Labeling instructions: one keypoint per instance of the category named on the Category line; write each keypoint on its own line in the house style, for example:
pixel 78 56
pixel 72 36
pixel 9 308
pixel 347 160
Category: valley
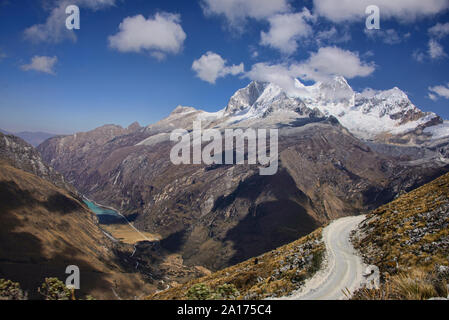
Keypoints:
pixel 118 226
pixel 216 216
pixel 172 224
pixel 244 150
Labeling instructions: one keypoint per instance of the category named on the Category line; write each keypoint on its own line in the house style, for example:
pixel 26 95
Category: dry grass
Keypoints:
pixel 127 234
pixel 415 285
pixel 254 278
pixel 385 235
pixel 407 240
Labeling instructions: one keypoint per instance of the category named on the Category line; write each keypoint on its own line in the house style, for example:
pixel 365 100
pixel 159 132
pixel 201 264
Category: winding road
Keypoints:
pixel 344 269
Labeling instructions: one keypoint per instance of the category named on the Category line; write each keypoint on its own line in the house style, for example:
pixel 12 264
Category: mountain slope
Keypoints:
pixel 408 239
pixel 219 215
pixel 273 274
pixel 23 156
pixel 411 231
pixel 45 228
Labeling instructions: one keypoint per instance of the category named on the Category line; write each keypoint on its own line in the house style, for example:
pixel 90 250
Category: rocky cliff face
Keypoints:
pixel 221 214
pixel 23 156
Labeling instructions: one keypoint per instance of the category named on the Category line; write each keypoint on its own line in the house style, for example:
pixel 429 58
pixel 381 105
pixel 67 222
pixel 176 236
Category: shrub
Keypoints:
pixel 226 292
pixel 11 291
pixel 199 291
pixel 54 289
pixel 317 260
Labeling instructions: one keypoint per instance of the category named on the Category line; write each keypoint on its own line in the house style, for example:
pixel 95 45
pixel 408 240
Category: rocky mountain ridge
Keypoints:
pixel 46 227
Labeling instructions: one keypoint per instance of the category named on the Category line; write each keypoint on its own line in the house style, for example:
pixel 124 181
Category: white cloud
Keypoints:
pixel 321 66
pixel 439 91
pixel 419 56
pixel 433 97
pixel 389 36
pixel 331 61
pixel 436 50
pixel 158 35
pixel 54 29
pixel 237 11
pixel 404 10
pixel 332 35
pixel 439 30
pixel 212 66
pixel 279 74
pixel 41 64
pixel 287 29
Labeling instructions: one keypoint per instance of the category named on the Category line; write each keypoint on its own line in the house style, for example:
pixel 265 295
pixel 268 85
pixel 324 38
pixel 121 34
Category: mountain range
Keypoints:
pixel 33 138
pixel 341 153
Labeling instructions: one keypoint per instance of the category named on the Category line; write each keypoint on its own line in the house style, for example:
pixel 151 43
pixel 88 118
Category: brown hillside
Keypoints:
pixel 274 274
pixel 44 229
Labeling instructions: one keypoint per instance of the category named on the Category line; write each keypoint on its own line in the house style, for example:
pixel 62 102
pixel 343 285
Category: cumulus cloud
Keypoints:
pixel 212 66
pixel 439 30
pixel 404 10
pixel 439 91
pixel 389 36
pixel 54 30
pixel 158 35
pixel 321 66
pixel 41 64
pixel 282 75
pixel 287 29
pixel 237 11
pixel 436 50
pixel 331 61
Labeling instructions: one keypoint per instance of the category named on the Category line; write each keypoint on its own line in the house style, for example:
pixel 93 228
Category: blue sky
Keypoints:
pixel 101 74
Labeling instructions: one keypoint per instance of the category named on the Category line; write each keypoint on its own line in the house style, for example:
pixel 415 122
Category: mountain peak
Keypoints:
pixel 134 126
pixel 182 109
pixel 246 97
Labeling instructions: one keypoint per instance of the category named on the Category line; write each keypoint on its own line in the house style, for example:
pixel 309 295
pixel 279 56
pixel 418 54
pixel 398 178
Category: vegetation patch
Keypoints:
pixel 274 274
pixel 408 239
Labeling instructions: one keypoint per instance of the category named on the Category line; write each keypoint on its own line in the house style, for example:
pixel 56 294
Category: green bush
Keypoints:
pixel 199 291
pixel 317 260
pixel 226 292
pixel 11 291
pixel 54 289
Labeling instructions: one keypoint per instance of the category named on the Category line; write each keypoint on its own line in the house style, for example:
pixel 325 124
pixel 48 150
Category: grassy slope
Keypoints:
pixel 408 239
pixel 410 231
pixel 276 273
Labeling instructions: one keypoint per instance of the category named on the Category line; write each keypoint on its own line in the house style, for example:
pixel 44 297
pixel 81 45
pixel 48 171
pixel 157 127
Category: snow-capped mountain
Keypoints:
pixel 370 115
pixel 382 116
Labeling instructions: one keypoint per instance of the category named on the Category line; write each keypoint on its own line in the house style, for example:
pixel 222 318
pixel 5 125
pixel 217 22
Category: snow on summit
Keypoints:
pixel 366 114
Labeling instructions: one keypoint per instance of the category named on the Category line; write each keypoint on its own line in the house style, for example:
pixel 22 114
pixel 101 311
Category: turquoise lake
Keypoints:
pixel 100 211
